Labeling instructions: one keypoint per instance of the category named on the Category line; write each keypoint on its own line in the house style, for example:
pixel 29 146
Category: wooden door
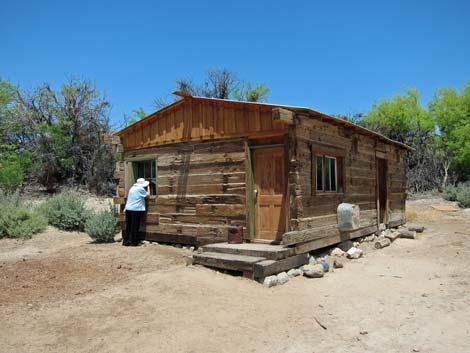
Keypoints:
pixel 269 187
pixel 382 190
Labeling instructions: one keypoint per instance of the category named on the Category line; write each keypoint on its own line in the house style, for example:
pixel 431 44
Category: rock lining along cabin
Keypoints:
pixel 279 172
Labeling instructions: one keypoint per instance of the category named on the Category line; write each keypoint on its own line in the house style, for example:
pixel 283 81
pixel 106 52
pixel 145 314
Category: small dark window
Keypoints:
pixel 148 170
pixel 328 174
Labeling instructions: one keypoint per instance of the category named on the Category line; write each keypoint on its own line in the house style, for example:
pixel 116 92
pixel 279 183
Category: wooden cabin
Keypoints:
pixel 279 172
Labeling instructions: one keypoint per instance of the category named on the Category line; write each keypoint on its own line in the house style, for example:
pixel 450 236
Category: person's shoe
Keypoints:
pixel 126 244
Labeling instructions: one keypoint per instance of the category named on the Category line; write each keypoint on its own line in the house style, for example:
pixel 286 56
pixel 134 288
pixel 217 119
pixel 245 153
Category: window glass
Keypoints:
pixel 333 174
pixel 319 173
pixel 148 170
pixel 330 174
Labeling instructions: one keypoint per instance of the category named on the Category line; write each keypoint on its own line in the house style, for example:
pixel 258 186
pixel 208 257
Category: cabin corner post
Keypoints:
pixel 293 180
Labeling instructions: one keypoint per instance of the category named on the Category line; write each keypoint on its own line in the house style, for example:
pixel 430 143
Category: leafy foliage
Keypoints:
pixel 459 193
pixel 137 115
pixel 451 112
pixel 66 211
pixel 221 84
pixel 399 117
pixel 12 168
pixel 403 119
pixel 61 131
pixel 101 227
pixel 18 220
pixel 249 93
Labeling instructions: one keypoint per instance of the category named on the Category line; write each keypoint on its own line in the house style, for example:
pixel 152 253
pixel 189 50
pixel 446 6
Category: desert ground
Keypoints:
pixel 61 293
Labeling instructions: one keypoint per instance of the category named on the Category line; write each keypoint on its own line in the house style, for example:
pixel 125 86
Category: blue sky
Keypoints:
pixel 333 56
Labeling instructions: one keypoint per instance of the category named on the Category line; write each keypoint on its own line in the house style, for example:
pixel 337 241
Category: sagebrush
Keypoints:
pixel 459 193
pixel 18 220
pixel 101 227
pixel 66 211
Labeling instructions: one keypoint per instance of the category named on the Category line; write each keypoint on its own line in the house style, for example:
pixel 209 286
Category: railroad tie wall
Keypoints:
pixel 315 213
pixel 201 191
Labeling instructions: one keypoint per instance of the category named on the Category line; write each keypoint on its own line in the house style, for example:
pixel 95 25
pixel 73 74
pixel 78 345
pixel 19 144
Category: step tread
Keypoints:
pixel 272 252
pixel 227 261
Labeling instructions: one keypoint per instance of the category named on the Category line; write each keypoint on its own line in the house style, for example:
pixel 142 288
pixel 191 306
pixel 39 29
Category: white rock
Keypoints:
pixel 312 260
pixel 337 252
pixel 293 272
pixel 270 281
pixel 191 248
pixel 313 271
pixel 356 244
pixel 282 278
pixel 354 253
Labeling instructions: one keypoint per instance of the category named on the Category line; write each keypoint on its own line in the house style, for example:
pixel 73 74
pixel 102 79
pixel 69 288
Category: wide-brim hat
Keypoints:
pixel 142 182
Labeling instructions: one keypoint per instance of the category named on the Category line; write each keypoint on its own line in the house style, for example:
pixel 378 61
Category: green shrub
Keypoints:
pixel 450 193
pixel 11 175
pixel 101 227
pixel 463 197
pixel 66 211
pixel 18 220
pixel 459 193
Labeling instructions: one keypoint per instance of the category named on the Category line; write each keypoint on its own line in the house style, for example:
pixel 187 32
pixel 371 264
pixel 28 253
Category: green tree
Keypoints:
pixel 403 119
pixel 14 160
pixel 248 93
pixel 220 84
pixel 399 117
pixel 61 130
pixel 451 112
pixel 137 115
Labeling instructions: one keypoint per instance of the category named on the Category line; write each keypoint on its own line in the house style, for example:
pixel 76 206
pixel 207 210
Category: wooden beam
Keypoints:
pixel 380 154
pixel 283 115
pixel 302 236
pixel 181 93
pixel 266 268
pixel 169 238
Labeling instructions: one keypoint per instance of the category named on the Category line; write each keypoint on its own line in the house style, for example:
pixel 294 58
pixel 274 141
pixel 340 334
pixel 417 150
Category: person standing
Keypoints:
pixel 135 207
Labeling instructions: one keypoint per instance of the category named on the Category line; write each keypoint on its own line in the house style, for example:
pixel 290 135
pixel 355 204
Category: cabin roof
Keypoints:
pixel 310 112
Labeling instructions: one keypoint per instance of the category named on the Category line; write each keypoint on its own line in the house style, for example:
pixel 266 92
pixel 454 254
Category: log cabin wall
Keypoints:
pixel 202 147
pixel 356 155
pixel 201 152
pixel 201 191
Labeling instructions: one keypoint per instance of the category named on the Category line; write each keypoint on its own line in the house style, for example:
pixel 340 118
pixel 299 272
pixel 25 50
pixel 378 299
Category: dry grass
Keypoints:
pixel 414 214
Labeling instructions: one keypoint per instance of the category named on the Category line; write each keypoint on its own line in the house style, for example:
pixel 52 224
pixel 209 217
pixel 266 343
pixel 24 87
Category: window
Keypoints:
pixel 146 169
pixel 328 175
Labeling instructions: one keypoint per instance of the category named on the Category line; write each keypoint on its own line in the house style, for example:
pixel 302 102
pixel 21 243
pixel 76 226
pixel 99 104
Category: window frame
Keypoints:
pixel 316 157
pixel 324 173
pixel 133 169
pixel 323 152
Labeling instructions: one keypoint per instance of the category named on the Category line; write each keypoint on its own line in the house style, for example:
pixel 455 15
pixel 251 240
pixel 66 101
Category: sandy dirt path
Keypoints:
pixel 59 293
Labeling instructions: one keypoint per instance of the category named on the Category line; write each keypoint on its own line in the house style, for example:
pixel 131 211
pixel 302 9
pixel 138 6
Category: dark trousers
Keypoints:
pixel 131 235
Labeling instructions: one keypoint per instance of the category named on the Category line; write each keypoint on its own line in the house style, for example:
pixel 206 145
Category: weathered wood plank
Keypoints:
pixel 227 261
pixel 301 236
pixel 270 252
pixel 266 268
pixel 169 238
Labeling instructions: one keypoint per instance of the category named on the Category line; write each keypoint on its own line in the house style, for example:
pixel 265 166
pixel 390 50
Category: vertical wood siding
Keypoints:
pixel 199 119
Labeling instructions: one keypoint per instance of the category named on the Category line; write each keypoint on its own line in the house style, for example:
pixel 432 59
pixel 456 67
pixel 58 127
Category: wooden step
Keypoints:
pixel 232 262
pixel 270 252
pixel 266 268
